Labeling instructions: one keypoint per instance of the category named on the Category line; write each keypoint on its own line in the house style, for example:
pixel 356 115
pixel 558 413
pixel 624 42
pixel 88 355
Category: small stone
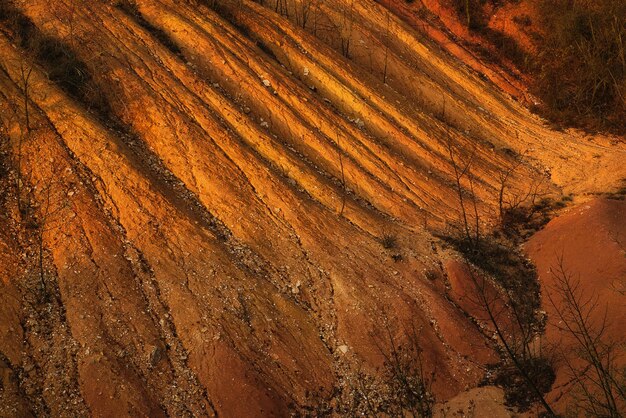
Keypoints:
pixel 156 355
pixel 295 289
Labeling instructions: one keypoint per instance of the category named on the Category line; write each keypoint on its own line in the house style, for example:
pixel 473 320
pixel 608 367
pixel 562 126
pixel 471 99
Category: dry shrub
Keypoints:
pixel 582 72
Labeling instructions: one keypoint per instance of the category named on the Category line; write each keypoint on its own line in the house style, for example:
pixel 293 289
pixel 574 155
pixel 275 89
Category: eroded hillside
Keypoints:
pixel 211 208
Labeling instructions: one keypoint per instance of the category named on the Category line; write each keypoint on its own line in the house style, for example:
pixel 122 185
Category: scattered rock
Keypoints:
pixel 156 354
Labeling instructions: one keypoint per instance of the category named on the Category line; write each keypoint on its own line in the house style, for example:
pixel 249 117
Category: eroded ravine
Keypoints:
pixel 212 228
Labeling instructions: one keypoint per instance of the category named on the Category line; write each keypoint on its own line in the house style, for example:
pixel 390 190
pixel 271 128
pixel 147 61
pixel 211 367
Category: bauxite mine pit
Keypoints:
pixel 287 208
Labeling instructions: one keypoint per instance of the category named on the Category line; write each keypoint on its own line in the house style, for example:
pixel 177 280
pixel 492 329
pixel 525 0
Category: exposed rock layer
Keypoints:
pixel 199 229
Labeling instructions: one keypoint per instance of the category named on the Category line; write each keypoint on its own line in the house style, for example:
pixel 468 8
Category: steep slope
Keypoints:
pixel 198 199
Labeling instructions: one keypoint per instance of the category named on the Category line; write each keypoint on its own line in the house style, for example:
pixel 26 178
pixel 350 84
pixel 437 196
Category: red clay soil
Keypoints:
pixel 441 22
pixel 210 240
pixel 519 20
pixel 463 291
pixel 590 239
pixel 486 401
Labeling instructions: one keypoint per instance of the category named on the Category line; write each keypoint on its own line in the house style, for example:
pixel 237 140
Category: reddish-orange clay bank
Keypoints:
pixel 313 208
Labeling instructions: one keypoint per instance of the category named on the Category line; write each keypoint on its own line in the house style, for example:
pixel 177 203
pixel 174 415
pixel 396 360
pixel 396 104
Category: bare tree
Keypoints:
pixel 401 388
pixel 66 15
pixel 50 205
pixel 461 169
pixel 303 10
pixel 405 375
pixel 347 21
pixel 514 339
pixel 593 360
pixel 518 205
pixel 343 177
pixel 468 16
pixel 496 301
pixel 281 8
pixel 24 85
pixel 582 77
pixel 386 62
pixel 25 73
pixel 619 287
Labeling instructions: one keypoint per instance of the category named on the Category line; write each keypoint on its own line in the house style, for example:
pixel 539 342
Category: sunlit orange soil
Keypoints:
pixel 210 242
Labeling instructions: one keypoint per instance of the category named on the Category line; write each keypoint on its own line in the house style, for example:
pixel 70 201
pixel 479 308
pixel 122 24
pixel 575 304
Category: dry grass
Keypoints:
pixel 582 76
